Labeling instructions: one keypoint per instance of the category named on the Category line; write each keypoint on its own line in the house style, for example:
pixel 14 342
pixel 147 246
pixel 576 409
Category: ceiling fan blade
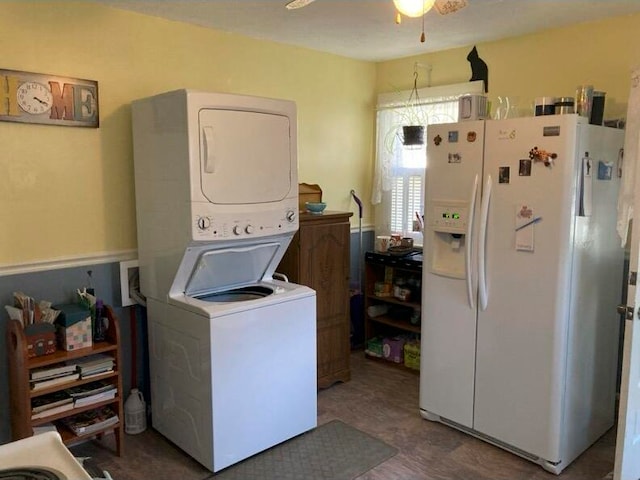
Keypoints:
pixel 293 4
pixel 444 7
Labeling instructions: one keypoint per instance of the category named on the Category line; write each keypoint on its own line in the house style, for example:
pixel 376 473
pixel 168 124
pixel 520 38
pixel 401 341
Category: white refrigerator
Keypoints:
pixel 521 278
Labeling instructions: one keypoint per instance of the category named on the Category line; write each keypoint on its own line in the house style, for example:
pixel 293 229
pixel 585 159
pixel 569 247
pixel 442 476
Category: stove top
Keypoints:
pixel 31 473
pixel 40 457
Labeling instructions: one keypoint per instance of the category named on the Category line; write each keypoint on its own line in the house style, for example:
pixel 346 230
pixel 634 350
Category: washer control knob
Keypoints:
pixel 237 230
pixel 203 223
pixel 290 216
pixel 248 229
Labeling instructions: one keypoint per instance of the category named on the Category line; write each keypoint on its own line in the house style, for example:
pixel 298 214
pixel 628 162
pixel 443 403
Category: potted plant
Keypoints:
pixel 410 120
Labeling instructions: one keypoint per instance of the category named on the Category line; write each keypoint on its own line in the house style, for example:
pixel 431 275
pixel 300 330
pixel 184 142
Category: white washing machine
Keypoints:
pixel 232 350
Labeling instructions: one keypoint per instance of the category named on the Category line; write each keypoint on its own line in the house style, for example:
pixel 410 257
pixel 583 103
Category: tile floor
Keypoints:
pixel 382 401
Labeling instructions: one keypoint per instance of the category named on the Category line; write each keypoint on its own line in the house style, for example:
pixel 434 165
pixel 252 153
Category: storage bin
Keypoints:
pixel 41 339
pixel 412 354
pixel 392 349
pixel 74 327
pixel 374 347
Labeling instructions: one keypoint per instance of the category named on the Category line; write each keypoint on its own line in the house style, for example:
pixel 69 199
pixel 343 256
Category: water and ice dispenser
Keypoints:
pixel 449 224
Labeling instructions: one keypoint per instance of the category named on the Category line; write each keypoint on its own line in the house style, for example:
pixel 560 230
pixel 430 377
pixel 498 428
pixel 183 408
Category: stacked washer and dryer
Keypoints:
pixel 232 349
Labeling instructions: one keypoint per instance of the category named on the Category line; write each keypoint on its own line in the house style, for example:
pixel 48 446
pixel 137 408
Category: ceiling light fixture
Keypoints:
pixel 413 8
pixel 297 4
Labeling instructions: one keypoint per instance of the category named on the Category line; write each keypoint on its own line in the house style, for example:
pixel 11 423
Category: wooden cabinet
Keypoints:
pixel 21 395
pixel 392 299
pixel 319 258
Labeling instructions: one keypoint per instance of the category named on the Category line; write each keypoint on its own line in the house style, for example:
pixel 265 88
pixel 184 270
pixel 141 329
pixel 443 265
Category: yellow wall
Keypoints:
pixel 550 63
pixel 67 192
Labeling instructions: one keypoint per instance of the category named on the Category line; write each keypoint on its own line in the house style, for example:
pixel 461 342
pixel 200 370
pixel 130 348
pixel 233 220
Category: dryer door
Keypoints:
pixel 245 157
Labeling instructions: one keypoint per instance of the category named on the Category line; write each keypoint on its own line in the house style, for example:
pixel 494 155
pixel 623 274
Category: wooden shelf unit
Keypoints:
pixel 318 257
pixel 20 365
pixel 381 267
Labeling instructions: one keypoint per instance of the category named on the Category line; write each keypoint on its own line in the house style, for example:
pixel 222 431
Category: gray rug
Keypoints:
pixel 333 451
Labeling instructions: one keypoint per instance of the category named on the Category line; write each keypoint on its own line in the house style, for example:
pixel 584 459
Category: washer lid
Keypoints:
pixel 226 268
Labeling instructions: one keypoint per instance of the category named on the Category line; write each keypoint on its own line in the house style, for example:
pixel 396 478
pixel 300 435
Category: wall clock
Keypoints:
pixel 28 97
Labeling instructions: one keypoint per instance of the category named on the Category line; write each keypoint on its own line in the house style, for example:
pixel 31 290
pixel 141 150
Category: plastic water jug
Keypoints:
pixel 135 413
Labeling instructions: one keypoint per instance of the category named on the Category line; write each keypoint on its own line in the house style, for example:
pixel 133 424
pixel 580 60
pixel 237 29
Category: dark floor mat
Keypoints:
pixel 333 451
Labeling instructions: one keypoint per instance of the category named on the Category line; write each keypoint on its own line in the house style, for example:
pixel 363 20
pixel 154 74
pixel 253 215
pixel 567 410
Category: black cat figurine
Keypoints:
pixel 479 69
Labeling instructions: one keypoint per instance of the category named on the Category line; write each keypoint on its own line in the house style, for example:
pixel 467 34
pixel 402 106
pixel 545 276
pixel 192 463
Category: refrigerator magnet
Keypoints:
pixel 455 158
pixel 539 155
pixel 605 169
pixel 437 140
pixel 453 136
pixel 471 136
pixel 525 228
pixel 525 168
pixel 504 174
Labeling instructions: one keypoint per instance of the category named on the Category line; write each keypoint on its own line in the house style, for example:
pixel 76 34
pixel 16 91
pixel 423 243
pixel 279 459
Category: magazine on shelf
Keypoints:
pixel 41 384
pixel 91 393
pixel 52 411
pixel 96 374
pixel 89 389
pixel 98 397
pixel 91 421
pixel 46 402
pixel 51 372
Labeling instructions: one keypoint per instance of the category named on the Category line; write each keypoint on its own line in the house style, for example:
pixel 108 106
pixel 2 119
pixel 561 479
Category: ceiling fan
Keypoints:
pixel 410 8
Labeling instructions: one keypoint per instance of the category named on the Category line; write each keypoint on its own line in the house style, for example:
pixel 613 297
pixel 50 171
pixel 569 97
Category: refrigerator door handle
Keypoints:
pixel 482 243
pixel 469 242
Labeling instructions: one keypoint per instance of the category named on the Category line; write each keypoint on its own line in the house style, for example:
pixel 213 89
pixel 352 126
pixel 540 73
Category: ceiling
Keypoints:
pixel 366 29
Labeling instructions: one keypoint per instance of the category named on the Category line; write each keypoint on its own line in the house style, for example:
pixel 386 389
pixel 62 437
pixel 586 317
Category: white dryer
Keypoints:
pixel 232 351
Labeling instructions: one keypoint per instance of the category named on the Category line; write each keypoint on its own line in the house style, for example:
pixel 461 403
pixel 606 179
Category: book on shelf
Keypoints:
pixel 91 421
pixel 94 365
pixel 41 384
pixel 52 411
pixel 44 373
pixel 45 402
pixel 94 361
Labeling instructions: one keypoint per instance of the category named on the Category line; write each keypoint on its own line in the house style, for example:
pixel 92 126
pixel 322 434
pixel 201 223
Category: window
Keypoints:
pixel 398 191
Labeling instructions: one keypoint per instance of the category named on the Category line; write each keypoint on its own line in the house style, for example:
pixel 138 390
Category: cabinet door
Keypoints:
pixel 324 266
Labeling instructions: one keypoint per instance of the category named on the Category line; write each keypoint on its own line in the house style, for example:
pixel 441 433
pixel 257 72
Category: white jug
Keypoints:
pixel 135 413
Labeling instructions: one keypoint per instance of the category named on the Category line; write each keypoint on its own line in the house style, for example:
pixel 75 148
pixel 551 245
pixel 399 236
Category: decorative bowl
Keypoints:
pixel 315 207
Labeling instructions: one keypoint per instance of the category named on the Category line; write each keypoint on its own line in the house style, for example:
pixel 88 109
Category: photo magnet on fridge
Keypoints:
pixel 504 174
pixel 525 168
pixel 453 136
pixel 605 170
pixel 455 158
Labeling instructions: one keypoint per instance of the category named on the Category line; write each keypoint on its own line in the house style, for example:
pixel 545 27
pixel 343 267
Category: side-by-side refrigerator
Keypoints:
pixel 521 278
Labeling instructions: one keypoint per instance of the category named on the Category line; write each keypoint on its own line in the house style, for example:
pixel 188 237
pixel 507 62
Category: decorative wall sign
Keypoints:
pixel 40 98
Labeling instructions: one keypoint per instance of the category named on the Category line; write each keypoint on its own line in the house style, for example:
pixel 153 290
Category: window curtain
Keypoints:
pixel 435 105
